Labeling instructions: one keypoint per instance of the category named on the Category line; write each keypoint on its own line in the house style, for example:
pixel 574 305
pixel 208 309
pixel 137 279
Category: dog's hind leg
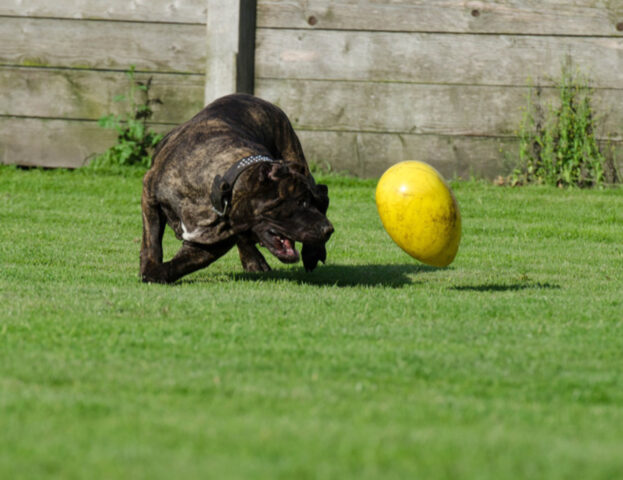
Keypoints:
pixel 189 258
pixel 153 230
pixel 251 258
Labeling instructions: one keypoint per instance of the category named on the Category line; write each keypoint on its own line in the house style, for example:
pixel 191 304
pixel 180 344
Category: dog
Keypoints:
pixel 235 174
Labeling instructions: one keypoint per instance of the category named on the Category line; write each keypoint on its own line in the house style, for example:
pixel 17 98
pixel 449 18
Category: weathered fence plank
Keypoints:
pixel 560 17
pixel 434 58
pixel 102 45
pixel 59 143
pixel 369 154
pixel 84 94
pixel 413 108
pixel 63 143
pixel 173 11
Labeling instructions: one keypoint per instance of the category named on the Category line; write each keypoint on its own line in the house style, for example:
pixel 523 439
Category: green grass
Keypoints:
pixel 507 364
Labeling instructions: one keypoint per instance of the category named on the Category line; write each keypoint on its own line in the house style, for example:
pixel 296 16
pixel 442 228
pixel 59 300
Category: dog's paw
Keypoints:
pixel 312 254
pixel 251 258
pixel 153 273
pixel 254 266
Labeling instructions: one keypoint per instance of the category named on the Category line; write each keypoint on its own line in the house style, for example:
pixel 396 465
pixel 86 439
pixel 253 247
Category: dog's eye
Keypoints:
pixel 304 203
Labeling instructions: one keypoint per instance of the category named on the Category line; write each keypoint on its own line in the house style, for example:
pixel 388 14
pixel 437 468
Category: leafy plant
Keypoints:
pixel 558 144
pixel 134 137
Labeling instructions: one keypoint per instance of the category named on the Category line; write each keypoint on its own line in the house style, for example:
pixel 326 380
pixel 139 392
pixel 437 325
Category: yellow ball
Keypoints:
pixel 419 212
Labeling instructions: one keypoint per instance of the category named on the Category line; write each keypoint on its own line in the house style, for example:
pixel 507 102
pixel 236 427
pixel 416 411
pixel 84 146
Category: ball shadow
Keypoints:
pixel 513 287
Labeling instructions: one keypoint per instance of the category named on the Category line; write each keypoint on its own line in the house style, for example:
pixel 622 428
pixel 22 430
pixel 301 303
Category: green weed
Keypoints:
pixel 134 137
pixel 558 144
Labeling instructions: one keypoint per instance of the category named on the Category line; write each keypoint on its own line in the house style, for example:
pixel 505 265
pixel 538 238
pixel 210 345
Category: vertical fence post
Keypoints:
pixel 230 47
pixel 246 47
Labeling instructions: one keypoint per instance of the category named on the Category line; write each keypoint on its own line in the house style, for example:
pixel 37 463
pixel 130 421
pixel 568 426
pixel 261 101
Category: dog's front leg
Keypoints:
pixel 189 258
pixel 251 258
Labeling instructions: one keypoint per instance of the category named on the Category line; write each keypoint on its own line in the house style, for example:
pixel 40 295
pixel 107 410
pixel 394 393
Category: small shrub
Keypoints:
pixel 134 138
pixel 557 144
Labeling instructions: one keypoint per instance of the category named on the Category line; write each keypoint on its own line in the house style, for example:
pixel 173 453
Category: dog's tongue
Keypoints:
pixel 288 247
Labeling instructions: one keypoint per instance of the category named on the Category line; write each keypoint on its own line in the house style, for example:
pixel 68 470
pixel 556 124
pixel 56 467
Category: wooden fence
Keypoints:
pixel 371 83
pixel 366 84
pixel 63 63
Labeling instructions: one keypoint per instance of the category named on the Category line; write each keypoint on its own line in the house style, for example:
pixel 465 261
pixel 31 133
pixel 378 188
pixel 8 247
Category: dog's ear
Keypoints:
pixel 321 198
pixel 298 168
pixel 272 172
pixel 278 171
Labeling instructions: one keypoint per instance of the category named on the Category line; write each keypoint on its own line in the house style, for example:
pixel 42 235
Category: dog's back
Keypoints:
pixel 235 122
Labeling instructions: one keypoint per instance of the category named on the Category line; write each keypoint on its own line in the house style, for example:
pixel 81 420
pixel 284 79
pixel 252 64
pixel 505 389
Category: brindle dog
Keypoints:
pixel 235 174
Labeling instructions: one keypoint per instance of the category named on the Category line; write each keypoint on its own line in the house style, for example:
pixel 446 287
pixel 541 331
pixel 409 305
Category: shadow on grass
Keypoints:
pixel 513 287
pixel 393 276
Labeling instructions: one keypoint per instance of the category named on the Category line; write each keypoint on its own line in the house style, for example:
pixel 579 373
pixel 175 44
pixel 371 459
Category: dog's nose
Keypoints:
pixel 326 231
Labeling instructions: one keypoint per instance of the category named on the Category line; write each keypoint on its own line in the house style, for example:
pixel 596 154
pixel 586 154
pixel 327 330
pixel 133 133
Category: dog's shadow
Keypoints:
pixel 391 275
pixel 387 275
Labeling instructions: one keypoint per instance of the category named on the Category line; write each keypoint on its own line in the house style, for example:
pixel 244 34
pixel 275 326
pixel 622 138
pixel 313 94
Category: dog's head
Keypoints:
pixel 281 204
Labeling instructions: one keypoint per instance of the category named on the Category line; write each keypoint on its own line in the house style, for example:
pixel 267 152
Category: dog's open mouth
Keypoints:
pixel 280 246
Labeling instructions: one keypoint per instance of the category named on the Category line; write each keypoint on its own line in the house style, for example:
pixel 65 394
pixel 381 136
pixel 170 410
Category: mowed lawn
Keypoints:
pixel 506 365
